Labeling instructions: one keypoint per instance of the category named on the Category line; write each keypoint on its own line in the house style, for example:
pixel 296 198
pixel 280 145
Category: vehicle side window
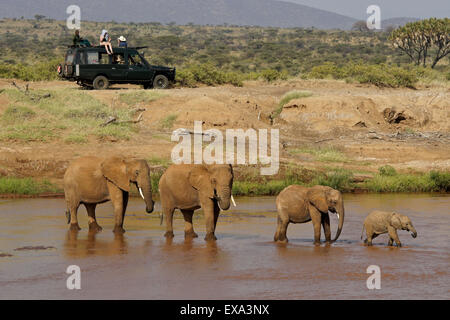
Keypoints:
pixel 69 57
pixel 92 58
pixel 82 57
pixel 104 58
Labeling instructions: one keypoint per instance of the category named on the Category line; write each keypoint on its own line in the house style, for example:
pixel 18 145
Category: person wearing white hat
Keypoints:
pixel 122 41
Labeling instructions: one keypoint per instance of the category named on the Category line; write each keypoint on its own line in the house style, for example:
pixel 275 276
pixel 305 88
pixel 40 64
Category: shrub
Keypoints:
pixel 441 180
pixel 271 75
pixel 387 170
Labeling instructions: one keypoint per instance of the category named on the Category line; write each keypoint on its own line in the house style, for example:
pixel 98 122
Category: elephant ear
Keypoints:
pixel 318 198
pixel 200 179
pixel 115 170
pixel 395 221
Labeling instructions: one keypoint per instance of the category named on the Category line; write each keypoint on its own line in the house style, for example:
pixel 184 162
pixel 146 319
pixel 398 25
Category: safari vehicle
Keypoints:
pixel 92 67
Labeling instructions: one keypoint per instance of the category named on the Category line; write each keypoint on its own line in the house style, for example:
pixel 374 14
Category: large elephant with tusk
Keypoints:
pixel 188 187
pixel 298 204
pixel 92 180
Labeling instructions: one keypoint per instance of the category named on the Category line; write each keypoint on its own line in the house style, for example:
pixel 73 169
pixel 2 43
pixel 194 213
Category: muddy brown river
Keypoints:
pixel 36 248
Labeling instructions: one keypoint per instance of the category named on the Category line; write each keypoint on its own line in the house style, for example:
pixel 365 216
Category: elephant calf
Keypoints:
pixel 92 180
pixel 379 222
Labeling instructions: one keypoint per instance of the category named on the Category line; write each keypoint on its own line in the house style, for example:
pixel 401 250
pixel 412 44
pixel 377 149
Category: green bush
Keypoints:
pixel 271 75
pixel 387 170
pixel 207 74
pixel 39 71
pixel 381 75
pixel 25 186
pixel 441 180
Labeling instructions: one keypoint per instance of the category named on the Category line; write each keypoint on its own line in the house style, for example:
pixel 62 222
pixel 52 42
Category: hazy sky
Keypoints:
pixel 389 8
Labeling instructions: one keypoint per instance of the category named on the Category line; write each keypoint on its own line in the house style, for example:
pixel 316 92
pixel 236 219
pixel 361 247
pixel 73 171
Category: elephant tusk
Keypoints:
pixel 219 205
pixel 232 200
pixel 337 215
pixel 142 195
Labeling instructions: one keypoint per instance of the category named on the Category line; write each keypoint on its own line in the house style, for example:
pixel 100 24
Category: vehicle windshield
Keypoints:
pixel 134 59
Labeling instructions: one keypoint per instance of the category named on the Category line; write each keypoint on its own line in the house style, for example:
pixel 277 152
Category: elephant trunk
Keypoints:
pixel 145 190
pixel 413 232
pixel 224 197
pixel 341 213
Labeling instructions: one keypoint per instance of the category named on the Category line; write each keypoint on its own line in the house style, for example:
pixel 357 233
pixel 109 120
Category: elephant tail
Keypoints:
pixel 68 216
pixel 160 218
pixel 362 232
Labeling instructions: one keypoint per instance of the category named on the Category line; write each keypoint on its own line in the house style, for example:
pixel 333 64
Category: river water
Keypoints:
pixel 36 248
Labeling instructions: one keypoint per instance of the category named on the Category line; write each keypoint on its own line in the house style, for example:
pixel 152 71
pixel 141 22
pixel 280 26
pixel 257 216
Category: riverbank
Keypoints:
pixel 386 180
pixel 355 138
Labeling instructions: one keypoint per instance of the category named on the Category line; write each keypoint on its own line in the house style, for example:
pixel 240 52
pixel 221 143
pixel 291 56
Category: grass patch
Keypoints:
pixel 68 114
pixel 141 96
pixel 157 161
pixel 168 121
pixel 325 154
pixel 381 75
pixel 26 186
pixel 433 181
pixel 287 97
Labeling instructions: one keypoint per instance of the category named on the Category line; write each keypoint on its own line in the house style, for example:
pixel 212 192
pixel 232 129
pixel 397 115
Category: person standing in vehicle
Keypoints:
pixel 105 40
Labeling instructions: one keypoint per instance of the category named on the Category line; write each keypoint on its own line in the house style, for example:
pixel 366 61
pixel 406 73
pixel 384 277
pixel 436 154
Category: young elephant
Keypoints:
pixel 379 222
pixel 93 180
pixel 298 204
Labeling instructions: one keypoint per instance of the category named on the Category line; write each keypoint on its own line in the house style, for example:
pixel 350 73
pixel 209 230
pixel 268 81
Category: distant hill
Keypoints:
pixel 215 12
pixel 397 22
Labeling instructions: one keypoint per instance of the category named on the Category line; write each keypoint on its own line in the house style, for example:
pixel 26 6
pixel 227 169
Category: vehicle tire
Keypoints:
pixel 160 82
pixel 100 83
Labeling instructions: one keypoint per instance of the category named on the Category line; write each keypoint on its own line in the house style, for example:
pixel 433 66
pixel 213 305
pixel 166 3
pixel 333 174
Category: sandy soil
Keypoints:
pixel 408 129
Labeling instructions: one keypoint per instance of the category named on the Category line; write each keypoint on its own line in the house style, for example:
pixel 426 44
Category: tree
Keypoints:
pixel 360 26
pixel 423 38
pixel 39 17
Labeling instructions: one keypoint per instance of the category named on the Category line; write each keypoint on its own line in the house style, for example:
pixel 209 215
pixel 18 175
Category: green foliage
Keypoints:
pixel 423 38
pixel 37 72
pixel 168 121
pixel 291 95
pixel 339 179
pixel 207 74
pixel 28 186
pixel 387 171
pixel 272 75
pixel 441 180
pixel 71 115
pixel 324 154
pixel 381 75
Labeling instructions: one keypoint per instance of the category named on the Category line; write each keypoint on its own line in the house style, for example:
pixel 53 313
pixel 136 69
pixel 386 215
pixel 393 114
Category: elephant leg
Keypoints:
pixel 316 218
pixel 188 226
pixel 390 242
pixel 168 215
pixel 370 237
pixel 280 234
pixel 73 210
pixel 393 234
pixel 326 227
pixel 208 209
pixel 117 199
pixel 216 215
pixel 92 221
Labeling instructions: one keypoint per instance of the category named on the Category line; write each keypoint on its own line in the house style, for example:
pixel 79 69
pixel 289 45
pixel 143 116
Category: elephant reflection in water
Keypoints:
pixel 76 247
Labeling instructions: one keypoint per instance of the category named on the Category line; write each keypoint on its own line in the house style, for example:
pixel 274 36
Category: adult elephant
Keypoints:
pixel 93 180
pixel 298 204
pixel 188 187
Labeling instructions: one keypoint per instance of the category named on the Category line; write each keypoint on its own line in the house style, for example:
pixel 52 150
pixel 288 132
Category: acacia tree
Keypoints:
pixel 430 37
